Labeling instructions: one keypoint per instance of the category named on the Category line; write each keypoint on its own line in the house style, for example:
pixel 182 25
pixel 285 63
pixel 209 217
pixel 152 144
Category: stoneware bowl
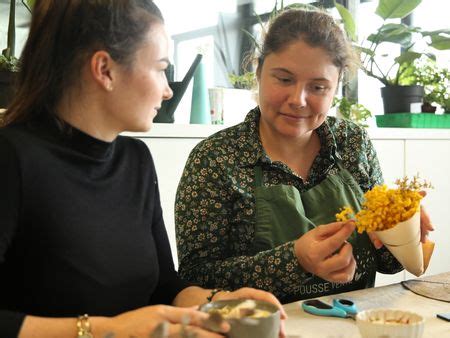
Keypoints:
pixel 378 323
pixel 264 327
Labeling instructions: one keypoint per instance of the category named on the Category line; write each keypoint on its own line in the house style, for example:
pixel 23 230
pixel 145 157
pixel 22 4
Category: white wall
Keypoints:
pixel 431 158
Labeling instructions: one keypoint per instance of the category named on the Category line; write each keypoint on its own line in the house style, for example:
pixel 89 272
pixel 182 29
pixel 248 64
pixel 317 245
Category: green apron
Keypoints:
pixel 284 214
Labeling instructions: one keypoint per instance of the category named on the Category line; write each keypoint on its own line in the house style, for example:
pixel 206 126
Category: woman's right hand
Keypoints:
pixel 325 252
pixel 143 323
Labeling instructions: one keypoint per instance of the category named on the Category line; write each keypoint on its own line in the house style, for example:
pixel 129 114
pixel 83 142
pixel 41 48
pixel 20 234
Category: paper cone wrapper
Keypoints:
pixel 427 248
pixel 403 241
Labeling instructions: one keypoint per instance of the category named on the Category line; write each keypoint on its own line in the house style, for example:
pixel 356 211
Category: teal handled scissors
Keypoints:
pixel 342 308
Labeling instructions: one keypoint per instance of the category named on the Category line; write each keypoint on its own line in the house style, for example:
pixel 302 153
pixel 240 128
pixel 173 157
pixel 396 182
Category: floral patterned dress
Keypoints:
pixel 215 206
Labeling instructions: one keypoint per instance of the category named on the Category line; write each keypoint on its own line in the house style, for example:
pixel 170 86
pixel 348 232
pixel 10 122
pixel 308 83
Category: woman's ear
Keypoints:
pixel 102 69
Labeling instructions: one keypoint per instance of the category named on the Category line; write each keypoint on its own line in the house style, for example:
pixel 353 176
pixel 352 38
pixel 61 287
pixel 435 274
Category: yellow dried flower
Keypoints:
pixel 383 208
pixel 345 214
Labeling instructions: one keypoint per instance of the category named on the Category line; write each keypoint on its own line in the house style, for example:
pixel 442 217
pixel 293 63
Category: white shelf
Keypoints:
pixel 169 130
pixel 409 134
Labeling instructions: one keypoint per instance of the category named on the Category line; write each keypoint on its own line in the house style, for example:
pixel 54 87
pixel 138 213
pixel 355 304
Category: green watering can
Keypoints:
pixel 166 113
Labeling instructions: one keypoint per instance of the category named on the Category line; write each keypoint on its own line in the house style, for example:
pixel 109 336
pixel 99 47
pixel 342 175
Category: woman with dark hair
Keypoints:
pixel 256 203
pixel 81 228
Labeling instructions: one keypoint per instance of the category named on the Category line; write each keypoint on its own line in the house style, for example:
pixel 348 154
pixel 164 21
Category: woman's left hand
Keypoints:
pixel 425 223
pixel 250 293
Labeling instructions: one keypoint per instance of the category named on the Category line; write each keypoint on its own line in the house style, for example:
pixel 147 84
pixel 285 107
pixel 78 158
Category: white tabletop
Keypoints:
pixel 305 325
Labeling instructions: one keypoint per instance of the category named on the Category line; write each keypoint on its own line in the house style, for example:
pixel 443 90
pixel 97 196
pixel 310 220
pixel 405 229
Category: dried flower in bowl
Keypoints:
pixel 389 323
pixel 245 309
pixel 247 318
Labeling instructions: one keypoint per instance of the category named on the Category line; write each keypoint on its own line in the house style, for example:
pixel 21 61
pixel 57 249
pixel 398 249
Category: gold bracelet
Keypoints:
pixel 84 327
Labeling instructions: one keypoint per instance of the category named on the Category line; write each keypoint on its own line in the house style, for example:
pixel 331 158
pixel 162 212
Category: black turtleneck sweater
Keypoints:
pixel 81 227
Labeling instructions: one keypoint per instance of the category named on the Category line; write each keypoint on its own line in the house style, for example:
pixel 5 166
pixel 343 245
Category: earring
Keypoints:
pixel 109 87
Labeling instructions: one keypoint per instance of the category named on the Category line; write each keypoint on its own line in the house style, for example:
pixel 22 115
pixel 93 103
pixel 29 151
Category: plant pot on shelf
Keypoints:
pixel 7 79
pixel 428 108
pixel 402 99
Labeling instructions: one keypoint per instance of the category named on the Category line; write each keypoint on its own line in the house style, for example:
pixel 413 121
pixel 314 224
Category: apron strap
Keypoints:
pixel 258 176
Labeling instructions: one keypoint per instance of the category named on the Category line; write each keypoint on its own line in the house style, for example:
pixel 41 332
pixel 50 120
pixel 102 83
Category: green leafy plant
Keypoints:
pixel 244 81
pixel 352 110
pixel 399 34
pixel 8 60
pixel 434 79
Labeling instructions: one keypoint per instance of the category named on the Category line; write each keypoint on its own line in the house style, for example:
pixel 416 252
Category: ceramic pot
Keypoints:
pixel 402 99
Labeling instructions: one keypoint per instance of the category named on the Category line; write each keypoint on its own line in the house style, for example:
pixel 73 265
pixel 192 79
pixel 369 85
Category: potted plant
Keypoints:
pixel 244 81
pixel 398 96
pixel 434 79
pixel 9 64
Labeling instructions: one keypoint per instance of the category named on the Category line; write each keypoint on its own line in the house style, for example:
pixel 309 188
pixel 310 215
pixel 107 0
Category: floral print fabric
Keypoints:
pixel 215 205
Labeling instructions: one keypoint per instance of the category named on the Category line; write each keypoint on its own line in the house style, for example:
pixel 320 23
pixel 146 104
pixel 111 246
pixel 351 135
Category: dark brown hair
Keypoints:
pixel 317 29
pixel 63 35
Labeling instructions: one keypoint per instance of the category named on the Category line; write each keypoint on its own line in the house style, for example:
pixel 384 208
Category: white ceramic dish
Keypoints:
pixel 378 323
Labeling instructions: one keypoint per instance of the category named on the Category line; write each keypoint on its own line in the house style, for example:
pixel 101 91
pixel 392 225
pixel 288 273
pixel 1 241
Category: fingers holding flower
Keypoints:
pixel 425 224
pixel 375 240
pixel 325 252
